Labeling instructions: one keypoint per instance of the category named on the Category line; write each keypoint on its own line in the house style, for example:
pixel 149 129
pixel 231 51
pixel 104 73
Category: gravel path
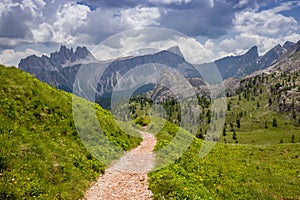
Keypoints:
pixel 127 178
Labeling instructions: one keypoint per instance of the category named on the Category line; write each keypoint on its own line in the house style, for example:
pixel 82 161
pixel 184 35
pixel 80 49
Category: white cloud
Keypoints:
pixel 35 6
pixel 131 43
pixel 211 3
pixel 244 41
pixel 105 22
pixel 69 17
pixel 67 22
pixel 10 41
pixel 170 1
pixel 264 29
pixel 140 16
pixel 43 33
pixel 285 6
pixel 41 3
pixel 10 57
pixel 266 22
pixel 241 43
pixel 6 5
pixel 241 3
pixel 295 37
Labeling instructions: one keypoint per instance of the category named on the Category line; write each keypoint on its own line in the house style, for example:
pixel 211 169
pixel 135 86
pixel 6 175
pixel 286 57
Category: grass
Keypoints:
pixel 262 136
pixel 41 154
pixel 229 171
pixel 256 113
pixel 261 163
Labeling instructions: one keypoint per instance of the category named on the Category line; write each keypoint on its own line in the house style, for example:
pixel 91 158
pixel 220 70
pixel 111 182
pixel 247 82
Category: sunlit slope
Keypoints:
pixel 229 171
pixel 41 154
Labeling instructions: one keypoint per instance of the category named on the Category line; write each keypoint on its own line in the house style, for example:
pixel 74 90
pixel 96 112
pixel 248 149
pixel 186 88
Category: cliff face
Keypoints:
pixel 56 69
pixel 242 65
pixel 60 69
pixel 272 56
pixel 57 60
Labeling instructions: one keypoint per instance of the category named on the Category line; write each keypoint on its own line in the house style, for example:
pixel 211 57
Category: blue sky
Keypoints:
pixel 224 27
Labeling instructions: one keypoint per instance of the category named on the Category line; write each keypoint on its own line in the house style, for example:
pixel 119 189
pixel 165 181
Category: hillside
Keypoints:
pixel 265 110
pixel 260 163
pixel 229 171
pixel 41 154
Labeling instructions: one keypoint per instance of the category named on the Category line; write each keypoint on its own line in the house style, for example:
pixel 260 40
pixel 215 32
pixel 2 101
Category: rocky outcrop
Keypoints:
pixel 272 56
pixel 290 61
pixel 250 62
pixel 236 66
pixel 287 45
pixel 60 68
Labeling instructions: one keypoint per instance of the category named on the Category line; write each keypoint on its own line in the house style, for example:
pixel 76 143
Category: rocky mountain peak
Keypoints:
pixel 288 61
pixel 80 53
pixel 297 46
pixel 65 55
pixel 176 50
pixel 59 59
pixel 271 56
pixel 252 52
pixel 294 49
pixel 287 45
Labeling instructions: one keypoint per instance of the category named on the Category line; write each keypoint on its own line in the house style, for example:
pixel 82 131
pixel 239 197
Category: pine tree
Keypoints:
pixel 238 123
pixel 275 122
pixel 229 106
pixel 294 114
pixel 293 139
pixel 234 135
pixel 231 126
pixel 270 101
pixel 224 132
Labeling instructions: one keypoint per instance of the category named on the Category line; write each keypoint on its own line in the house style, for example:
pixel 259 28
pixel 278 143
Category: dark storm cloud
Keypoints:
pixel 132 3
pixel 197 17
pixel 14 23
pixel 210 22
pixel 194 18
pixel 111 3
pixel 173 5
pixel 201 18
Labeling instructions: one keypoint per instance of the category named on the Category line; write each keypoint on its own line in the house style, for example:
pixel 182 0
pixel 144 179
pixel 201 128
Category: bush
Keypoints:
pixel 274 123
pixel 143 121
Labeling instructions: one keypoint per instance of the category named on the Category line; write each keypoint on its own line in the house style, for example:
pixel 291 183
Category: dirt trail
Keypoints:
pixel 127 178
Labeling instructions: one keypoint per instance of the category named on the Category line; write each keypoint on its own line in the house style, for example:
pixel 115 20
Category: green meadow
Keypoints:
pixel 41 154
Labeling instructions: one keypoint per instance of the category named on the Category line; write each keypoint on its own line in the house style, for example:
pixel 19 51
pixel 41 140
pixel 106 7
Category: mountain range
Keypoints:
pixel 61 67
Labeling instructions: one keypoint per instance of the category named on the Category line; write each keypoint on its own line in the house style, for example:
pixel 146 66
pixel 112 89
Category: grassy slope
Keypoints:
pixel 230 171
pixel 263 165
pixel 258 112
pixel 41 155
pixel 253 128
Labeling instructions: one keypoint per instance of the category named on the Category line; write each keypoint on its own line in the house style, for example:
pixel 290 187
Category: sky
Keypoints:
pixel 223 27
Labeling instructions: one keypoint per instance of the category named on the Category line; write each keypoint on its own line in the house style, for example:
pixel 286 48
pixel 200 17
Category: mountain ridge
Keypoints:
pixel 60 69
